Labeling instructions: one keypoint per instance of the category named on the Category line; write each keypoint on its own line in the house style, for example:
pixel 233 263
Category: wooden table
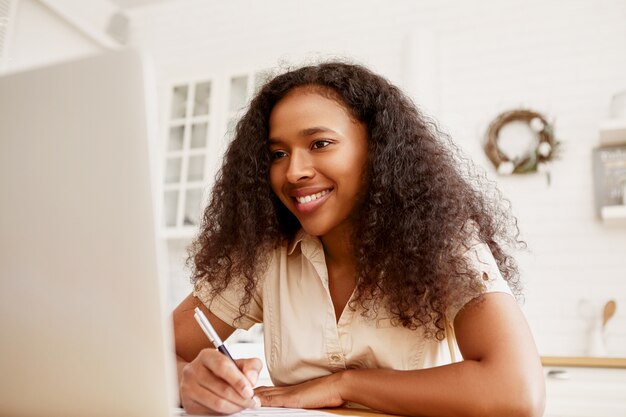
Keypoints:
pixel 359 412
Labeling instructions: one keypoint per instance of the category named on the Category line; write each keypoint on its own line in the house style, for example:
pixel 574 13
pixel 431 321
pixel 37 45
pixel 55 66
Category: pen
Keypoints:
pixel 210 332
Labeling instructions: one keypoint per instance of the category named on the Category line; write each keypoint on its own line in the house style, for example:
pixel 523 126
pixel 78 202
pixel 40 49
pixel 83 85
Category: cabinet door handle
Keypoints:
pixel 558 374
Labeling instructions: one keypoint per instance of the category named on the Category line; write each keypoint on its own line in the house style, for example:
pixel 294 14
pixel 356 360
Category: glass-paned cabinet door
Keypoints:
pixel 188 139
pixel 241 88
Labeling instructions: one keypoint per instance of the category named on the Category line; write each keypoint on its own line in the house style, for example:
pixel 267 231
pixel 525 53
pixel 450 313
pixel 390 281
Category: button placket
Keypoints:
pixel 312 250
pixel 334 353
pixel 337 361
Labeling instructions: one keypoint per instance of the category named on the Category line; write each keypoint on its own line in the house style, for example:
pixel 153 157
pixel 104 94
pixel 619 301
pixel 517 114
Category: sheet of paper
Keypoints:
pixel 271 412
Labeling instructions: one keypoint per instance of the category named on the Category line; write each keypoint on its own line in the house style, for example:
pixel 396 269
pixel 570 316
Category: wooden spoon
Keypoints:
pixel 609 311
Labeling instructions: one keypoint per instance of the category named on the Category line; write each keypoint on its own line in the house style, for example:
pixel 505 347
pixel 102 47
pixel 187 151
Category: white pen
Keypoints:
pixel 210 332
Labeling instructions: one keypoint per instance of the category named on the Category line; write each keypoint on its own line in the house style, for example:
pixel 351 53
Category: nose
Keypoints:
pixel 300 167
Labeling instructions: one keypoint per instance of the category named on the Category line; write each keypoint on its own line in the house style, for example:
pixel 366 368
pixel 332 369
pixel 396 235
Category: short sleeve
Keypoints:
pixel 226 304
pixel 483 261
pixel 480 258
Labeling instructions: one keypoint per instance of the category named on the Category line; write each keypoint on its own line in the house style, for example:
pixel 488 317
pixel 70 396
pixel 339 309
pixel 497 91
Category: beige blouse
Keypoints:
pixel 303 340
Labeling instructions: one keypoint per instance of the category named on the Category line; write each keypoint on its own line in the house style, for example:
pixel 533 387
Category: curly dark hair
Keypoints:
pixel 410 229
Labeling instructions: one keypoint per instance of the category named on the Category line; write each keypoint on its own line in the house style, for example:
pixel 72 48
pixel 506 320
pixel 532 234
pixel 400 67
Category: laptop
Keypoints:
pixel 83 330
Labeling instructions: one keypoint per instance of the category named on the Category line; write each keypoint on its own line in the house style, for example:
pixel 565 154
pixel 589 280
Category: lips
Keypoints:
pixel 308 199
pixel 312 197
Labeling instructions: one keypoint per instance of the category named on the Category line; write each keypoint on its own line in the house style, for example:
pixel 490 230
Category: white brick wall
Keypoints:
pixel 565 59
pixel 562 58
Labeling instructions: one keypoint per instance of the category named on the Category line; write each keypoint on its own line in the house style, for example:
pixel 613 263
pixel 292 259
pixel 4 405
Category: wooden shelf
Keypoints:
pixel 613 132
pixel 613 214
pixel 586 361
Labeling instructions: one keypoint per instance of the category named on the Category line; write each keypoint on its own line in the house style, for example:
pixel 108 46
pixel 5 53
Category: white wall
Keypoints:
pixel 565 59
pixel 41 37
pixel 562 58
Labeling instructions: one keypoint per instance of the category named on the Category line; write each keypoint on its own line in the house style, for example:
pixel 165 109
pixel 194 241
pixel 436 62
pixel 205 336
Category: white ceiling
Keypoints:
pixel 129 4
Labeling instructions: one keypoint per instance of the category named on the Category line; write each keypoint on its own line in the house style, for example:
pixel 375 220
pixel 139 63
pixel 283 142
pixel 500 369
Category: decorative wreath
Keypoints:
pixel 536 159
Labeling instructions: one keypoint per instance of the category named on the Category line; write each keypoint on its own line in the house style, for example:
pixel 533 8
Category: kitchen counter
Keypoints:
pixel 584 361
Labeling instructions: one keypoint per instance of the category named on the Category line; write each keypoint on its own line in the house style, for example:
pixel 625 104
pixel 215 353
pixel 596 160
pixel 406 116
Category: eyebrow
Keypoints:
pixel 307 132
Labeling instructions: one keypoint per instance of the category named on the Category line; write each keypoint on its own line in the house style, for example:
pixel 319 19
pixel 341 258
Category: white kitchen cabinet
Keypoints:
pixel 201 117
pixel 585 392
pixel 190 132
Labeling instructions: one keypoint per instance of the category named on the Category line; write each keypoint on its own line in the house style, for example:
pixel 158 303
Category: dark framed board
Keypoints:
pixel 609 176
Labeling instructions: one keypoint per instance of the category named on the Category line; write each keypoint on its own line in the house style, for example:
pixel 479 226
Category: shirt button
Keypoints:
pixel 335 358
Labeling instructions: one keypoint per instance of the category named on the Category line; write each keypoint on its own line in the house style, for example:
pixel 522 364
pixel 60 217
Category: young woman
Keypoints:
pixel 356 232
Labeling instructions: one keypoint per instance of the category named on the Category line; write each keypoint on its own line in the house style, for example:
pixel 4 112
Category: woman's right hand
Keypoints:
pixel 212 384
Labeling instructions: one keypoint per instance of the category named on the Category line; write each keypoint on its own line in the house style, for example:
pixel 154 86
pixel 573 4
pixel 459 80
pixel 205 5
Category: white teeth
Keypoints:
pixel 312 197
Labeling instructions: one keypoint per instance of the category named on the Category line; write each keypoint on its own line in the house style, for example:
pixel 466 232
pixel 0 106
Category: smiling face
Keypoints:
pixel 319 154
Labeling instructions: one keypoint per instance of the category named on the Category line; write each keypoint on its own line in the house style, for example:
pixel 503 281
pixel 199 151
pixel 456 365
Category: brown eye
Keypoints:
pixel 318 144
pixel 278 154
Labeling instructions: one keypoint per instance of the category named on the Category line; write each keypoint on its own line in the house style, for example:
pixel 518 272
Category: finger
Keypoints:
pixel 197 380
pixel 251 368
pixel 225 370
pixel 201 390
pixel 209 403
pixel 221 389
pixel 269 397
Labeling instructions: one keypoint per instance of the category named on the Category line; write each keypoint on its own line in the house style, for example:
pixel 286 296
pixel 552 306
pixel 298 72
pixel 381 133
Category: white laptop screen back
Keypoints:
pixel 81 302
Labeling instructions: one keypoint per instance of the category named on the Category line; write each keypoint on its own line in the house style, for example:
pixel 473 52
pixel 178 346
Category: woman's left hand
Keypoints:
pixel 317 393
